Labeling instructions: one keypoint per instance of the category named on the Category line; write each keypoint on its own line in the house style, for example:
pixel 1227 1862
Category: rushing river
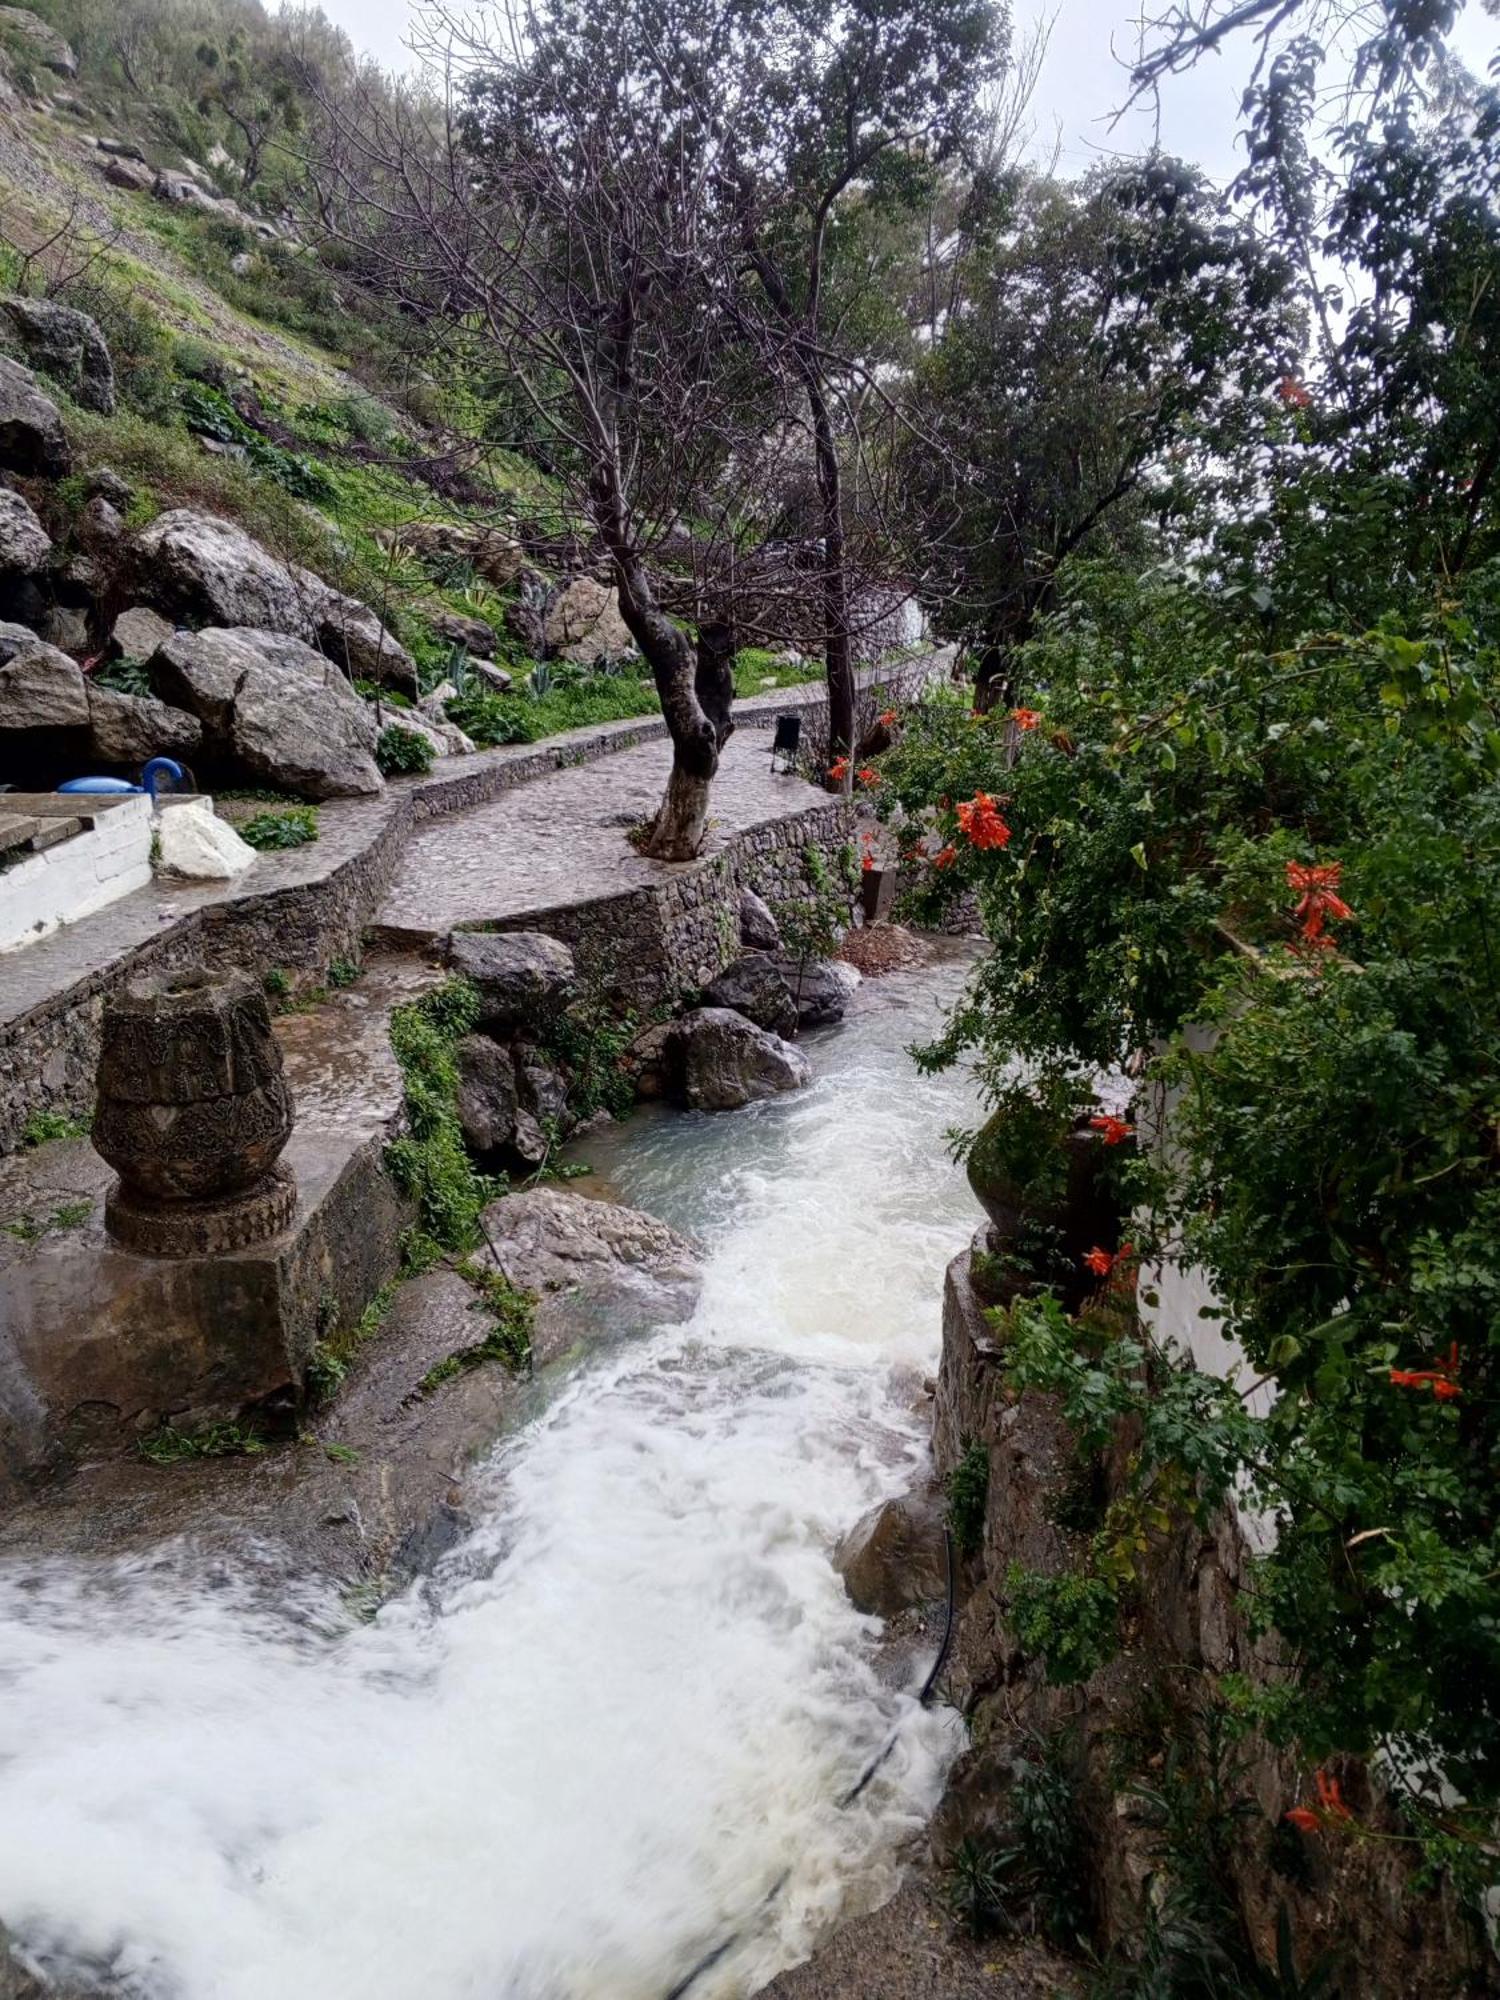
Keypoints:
pixel 611 1733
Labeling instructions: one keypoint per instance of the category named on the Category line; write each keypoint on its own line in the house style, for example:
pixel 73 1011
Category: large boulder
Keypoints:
pixel 895 1556
pixel 196 566
pixel 522 976
pixel 43 41
pixel 41 688
pixel 754 986
pixel 61 342
pixel 759 930
pixel 132 729
pixel 202 672
pixel 277 707
pixel 821 988
pixel 486 1095
pixel 584 623
pixel 25 545
pixel 596 1266
pixel 297 722
pixel 728 1062
pixel 31 429
pixel 199 566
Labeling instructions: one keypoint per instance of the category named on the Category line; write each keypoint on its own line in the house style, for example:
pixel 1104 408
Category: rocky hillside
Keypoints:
pixel 235 526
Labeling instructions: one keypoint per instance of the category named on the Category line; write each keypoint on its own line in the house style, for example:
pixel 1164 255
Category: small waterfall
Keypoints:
pixel 584 1753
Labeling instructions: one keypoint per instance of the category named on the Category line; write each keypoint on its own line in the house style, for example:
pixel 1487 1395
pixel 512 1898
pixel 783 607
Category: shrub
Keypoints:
pixel 292 826
pixel 402 752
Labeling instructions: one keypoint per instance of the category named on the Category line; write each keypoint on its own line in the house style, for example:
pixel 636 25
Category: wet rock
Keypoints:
pixel 895 1556
pixel 821 988
pixel 25 545
pixel 596 1266
pixel 486 1095
pixel 41 688
pixel 44 43
pixel 62 343
pixel 654 1059
pixel 543 1090
pixel 131 175
pixel 728 1062
pixel 754 986
pixel 132 729
pixel 584 623
pixel 194 843
pixel 136 634
pixel 31 429
pixel 197 566
pixel 758 928
pixel 522 976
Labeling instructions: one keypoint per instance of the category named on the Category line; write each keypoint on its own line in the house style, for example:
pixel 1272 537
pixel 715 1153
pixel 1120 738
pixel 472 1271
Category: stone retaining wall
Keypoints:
pixel 648 947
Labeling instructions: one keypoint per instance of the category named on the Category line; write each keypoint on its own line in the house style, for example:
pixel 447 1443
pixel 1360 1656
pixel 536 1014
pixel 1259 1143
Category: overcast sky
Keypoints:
pixel 1081 86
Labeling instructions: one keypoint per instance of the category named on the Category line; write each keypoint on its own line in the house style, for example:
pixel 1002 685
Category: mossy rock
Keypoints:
pixel 1018 1164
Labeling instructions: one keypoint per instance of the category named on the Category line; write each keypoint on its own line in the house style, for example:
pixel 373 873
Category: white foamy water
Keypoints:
pixel 610 1735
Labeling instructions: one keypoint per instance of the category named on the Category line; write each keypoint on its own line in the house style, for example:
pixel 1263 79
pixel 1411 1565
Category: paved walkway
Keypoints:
pixel 562 839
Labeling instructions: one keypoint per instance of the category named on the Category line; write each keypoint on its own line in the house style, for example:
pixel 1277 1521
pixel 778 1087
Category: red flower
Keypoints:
pixel 1115 1130
pixel 886 718
pixel 1316 886
pixel 1026 718
pixel 1439 1380
pixel 1291 392
pixel 1108 1263
pixel 1330 1807
pixel 868 775
pixel 945 857
pixel 979 818
pixel 1330 1798
pixel 838 770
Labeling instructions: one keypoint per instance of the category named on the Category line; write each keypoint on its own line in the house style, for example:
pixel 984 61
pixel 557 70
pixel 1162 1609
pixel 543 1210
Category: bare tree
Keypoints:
pixel 558 199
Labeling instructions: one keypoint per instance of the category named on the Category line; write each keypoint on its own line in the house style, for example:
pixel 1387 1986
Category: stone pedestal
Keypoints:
pixel 193 1112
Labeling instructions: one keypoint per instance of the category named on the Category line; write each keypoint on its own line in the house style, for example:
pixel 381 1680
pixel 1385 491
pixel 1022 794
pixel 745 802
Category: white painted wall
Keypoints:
pixel 79 875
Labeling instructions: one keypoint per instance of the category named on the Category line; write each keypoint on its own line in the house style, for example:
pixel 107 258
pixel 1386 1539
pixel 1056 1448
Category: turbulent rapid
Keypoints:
pixel 607 1738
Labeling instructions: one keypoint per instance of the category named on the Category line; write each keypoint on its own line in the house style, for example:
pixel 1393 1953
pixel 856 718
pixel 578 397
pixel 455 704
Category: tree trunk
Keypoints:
pixel 677 831
pixel 837 651
pixel 714 681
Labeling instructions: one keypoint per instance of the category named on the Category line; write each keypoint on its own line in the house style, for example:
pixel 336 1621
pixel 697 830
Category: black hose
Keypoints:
pixel 726 1945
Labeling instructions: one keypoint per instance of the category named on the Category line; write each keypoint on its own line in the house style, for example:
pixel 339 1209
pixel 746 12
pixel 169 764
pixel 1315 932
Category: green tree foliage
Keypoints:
pixel 1102 370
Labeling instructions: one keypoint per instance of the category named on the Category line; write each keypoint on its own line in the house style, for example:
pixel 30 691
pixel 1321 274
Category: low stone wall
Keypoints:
pixel 647 947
